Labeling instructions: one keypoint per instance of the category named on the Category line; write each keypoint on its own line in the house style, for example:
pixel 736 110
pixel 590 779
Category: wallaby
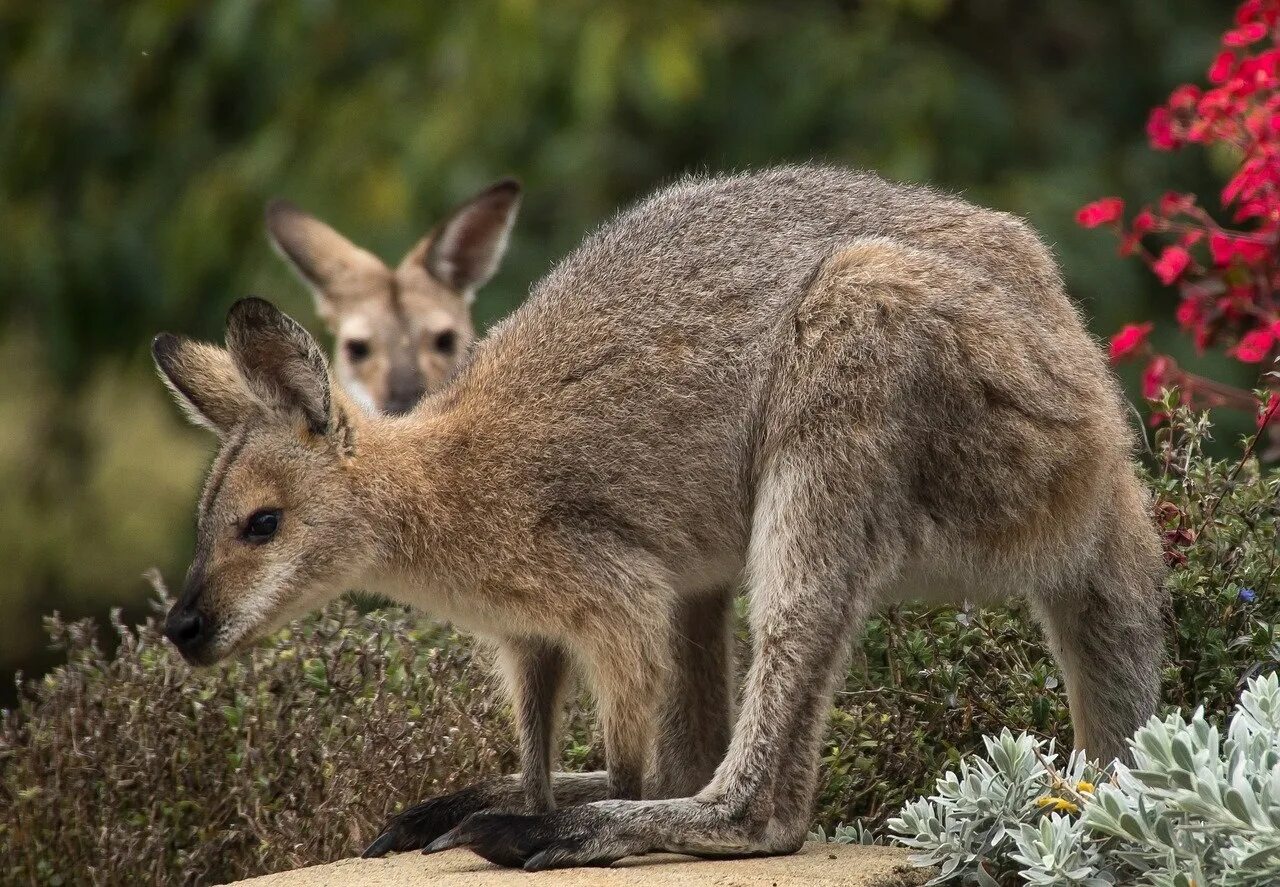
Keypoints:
pixel 400 332
pixel 826 389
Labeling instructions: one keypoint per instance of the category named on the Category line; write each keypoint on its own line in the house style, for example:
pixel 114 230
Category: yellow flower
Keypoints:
pixel 1084 787
pixel 1062 805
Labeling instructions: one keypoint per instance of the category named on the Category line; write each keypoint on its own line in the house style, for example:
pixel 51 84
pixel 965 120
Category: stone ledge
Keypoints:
pixel 817 865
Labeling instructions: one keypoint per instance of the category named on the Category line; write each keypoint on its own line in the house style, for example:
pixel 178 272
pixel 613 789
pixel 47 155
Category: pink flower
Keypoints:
pixel 1185 97
pixel 1160 130
pixel 1222 66
pixel 1143 223
pixel 1254 346
pixel 1130 338
pixel 1248 11
pixel 1100 212
pixel 1172 203
pixel 1190 313
pixel 1155 376
pixel 1246 34
pixel 1172 262
pixel 1224 248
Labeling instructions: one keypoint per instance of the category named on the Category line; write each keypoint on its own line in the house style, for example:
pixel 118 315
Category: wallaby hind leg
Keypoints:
pixel 535 672
pixel 697 715
pixel 798 779
pixel 1106 631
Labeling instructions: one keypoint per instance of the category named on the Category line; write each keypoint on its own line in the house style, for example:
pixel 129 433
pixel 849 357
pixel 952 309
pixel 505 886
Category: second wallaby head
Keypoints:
pixel 399 331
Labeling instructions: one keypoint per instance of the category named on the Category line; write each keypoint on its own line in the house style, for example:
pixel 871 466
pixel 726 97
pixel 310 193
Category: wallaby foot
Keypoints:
pixel 602 833
pixel 535 842
pixel 583 836
pixel 419 825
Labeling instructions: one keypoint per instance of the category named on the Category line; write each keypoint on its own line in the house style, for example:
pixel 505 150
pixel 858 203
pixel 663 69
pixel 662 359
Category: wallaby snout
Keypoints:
pixel 185 628
pixel 405 386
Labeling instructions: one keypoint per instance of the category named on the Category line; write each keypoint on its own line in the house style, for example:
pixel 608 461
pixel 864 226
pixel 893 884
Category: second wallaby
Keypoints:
pixel 399 331
pixel 822 388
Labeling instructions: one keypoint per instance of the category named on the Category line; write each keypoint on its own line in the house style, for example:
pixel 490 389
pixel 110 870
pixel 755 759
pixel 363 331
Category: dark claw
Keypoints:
pixel 423 823
pixel 506 839
pixel 381 846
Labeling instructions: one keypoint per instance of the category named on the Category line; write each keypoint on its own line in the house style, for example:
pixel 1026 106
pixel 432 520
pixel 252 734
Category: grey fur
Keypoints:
pixel 830 389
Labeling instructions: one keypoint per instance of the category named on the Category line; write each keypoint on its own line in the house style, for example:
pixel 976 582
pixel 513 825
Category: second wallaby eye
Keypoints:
pixel 261 525
pixel 357 349
pixel 446 342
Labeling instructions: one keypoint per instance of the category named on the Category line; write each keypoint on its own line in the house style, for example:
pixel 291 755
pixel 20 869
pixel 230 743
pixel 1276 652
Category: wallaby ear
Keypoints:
pixel 204 381
pixel 319 255
pixel 280 362
pixel 464 251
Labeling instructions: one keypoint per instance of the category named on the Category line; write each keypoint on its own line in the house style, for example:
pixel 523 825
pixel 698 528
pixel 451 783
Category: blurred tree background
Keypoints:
pixel 140 140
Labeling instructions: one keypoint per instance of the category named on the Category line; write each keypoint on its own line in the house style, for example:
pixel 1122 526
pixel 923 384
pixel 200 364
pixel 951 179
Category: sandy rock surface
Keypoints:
pixel 818 865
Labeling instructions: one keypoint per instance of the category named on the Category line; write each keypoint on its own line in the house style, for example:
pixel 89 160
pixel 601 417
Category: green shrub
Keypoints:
pixel 138 769
pixel 133 767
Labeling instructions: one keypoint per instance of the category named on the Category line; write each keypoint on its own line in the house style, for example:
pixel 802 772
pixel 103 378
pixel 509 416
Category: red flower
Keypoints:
pixel 1248 11
pixel 1190 313
pixel 1251 251
pixel 1228 294
pixel 1233 306
pixel 1100 212
pixel 1222 66
pixel 1254 346
pixel 1130 338
pixel 1224 248
pixel 1172 262
pixel 1160 130
pixel 1172 203
pixel 1246 34
pixel 1184 98
pixel 1143 223
pixel 1155 376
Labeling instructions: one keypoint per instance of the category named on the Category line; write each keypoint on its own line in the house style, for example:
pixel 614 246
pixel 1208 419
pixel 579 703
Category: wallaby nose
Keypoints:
pixel 398 406
pixel 405 387
pixel 187 630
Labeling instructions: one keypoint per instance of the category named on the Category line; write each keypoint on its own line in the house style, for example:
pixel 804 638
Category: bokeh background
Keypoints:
pixel 140 140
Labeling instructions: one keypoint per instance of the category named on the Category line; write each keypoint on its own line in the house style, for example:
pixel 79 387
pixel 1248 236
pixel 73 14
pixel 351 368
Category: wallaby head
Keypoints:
pixel 399 331
pixel 278 515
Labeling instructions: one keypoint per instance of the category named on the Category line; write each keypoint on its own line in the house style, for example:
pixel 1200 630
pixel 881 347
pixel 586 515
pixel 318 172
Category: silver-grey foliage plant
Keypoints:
pixel 1198 807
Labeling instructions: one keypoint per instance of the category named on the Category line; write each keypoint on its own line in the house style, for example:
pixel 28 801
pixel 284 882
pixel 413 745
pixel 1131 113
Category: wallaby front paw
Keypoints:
pixel 561 839
pixel 422 823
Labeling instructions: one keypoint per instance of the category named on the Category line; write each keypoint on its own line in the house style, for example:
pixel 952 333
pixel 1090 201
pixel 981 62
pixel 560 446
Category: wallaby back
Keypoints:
pixel 640 379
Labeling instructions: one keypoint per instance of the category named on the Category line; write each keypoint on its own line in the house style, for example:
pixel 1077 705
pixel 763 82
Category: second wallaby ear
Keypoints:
pixel 204 380
pixel 465 250
pixel 322 257
pixel 280 362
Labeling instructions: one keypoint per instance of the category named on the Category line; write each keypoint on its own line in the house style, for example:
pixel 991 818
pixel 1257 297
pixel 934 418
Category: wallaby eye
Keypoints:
pixel 261 525
pixel 446 342
pixel 357 349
